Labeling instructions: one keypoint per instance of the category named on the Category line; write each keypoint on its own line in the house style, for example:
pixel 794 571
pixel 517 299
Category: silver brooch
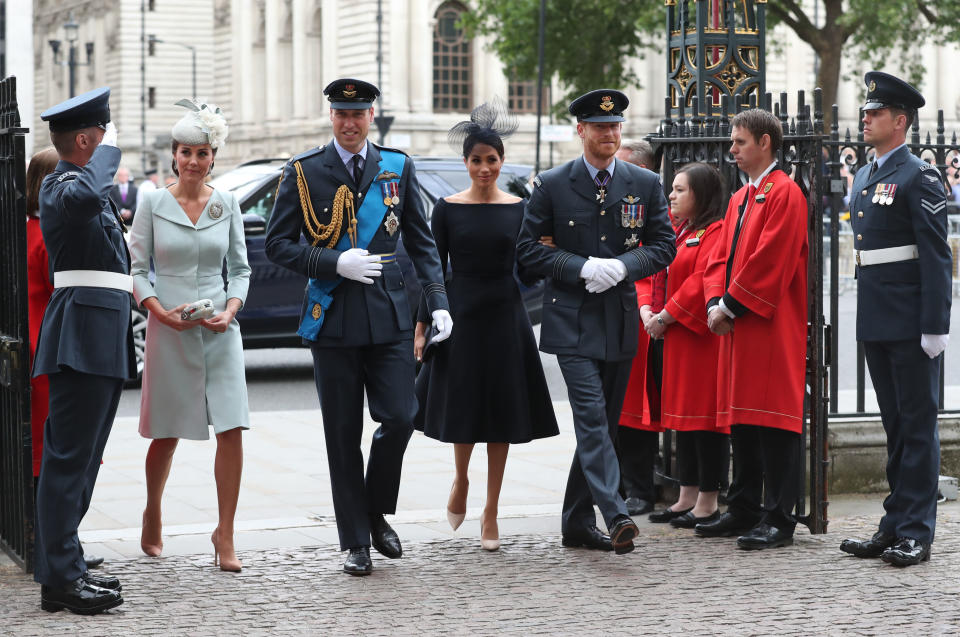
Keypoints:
pixel 216 210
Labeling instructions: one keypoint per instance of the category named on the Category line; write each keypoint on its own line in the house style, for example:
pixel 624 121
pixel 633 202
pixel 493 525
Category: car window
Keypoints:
pixel 460 180
pixel 262 203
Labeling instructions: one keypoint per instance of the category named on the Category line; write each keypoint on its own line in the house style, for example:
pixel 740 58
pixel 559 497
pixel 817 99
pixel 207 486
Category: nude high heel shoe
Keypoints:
pixel 455 519
pixel 149 548
pixel 229 564
pixel 488 544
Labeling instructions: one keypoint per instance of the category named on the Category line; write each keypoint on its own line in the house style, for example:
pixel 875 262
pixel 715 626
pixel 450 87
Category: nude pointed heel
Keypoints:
pixel 229 565
pixel 488 544
pixel 455 519
pixel 153 550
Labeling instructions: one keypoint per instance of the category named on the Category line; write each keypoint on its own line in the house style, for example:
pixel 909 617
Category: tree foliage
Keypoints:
pixel 589 43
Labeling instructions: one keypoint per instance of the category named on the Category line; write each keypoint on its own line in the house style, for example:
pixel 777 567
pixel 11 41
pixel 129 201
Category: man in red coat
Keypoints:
pixel 755 286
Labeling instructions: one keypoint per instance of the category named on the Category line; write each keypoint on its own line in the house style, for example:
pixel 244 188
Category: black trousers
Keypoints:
pixel 766 469
pixel 341 374
pixel 907 384
pixel 701 459
pixel 82 408
pixel 596 389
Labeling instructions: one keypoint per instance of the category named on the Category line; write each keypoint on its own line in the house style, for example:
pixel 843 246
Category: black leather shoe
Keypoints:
pixel 589 538
pixel 665 515
pixel 384 538
pixel 764 536
pixel 906 552
pixel 79 597
pixel 92 561
pixel 874 547
pixel 688 520
pixel 358 561
pixel 638 506
pixel 727 525
pixel 103 581
pixel 622 533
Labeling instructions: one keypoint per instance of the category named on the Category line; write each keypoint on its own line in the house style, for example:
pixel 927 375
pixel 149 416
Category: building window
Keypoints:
pixel 151 5
pixel 452 61
pixel 151 97
pixel 522 96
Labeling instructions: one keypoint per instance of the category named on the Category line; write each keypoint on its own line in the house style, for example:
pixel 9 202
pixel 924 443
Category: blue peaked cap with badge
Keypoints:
pixel 887 91
pixel 351 94
pixel 83 111
pixel 602 105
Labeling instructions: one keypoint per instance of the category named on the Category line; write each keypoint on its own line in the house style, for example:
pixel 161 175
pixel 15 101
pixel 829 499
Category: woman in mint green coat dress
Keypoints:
pixel 193 377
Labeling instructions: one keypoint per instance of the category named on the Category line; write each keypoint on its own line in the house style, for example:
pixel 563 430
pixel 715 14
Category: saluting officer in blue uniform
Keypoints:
pixel 898 210
pixel 609 227
pixel 351 200
pixel 85 344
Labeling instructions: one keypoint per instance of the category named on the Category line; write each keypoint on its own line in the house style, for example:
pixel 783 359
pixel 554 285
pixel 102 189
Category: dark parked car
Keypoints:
pixel 271 314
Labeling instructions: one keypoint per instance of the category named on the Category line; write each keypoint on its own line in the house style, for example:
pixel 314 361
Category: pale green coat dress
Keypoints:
pixel 194 379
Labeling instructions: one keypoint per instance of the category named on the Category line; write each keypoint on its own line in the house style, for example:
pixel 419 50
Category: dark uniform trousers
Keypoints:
pixel 906 381
pixel 82 408
pixel 766 463
pixel 387 372
pixel 596 389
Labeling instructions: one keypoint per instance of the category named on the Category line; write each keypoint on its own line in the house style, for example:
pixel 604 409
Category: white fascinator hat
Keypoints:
pixel 203 124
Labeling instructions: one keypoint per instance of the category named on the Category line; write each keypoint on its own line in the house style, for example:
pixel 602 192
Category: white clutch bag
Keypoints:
pixel 198 310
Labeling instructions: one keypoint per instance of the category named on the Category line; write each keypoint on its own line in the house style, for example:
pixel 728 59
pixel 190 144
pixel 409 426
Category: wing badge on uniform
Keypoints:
pixel 385 175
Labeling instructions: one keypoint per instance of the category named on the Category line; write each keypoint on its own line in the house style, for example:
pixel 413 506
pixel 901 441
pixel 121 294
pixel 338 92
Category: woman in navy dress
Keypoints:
pixel 486 383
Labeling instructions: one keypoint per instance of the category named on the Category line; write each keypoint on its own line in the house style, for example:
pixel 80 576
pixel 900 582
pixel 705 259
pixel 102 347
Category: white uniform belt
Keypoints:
pixel 887 255
pixel 93 279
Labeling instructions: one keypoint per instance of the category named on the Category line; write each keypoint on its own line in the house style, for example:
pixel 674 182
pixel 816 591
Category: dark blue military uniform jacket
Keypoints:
pixel 361 314
pixel 564 205
pixel 85 328
pixel 902 300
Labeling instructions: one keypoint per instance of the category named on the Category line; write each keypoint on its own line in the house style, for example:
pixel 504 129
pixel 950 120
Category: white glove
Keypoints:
pixel 109 136
pixel 359 265
pixel 614 269
pixel 596 276
pixel 934 344
pixel 444 324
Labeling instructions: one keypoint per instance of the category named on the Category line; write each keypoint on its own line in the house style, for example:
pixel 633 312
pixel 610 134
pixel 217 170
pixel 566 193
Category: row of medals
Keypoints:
pixel 884 194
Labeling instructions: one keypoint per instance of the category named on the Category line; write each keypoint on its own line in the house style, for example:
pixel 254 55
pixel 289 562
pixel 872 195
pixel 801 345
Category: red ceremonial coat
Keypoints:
pixel 688 399
pixel 641 404
pixel 760 378
pixel 39 290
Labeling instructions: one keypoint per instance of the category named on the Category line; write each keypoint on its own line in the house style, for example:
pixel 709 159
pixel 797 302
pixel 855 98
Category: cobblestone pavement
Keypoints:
pixel 672 584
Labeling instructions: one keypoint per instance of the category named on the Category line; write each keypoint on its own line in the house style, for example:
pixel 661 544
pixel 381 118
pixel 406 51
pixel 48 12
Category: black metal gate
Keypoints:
pixel 16 473
pixel 682 140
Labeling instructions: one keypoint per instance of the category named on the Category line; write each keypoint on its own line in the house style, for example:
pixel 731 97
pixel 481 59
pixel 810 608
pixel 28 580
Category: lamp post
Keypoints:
pixel 152 40
pixel 71 32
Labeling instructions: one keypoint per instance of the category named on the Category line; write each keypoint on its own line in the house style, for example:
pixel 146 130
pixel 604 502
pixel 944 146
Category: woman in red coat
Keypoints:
pixel 39 290
pixel 688 399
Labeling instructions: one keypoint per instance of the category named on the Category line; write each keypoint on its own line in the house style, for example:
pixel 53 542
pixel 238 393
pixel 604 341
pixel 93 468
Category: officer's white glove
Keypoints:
pixel 444 324
pixel 596 276
pixel 109 136
pixel 614 268
pixel 934 344
pixel 359 265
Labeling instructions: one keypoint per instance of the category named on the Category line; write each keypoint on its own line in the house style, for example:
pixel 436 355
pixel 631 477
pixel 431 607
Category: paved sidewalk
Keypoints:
pixel 292 584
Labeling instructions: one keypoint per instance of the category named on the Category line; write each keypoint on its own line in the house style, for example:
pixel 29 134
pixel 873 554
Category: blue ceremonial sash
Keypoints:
pixel 369 216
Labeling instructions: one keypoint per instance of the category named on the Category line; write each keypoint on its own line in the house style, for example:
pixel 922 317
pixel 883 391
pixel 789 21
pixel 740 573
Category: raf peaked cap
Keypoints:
pixel 351 94
pixel 602 105
pixel 83 111
pixel 886 91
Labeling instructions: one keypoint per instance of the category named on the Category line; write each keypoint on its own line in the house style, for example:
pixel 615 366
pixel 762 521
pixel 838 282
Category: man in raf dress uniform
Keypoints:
pixel 85 344
pixel 608 220
pixel 899 216
pixel 351 200
pixel 755 287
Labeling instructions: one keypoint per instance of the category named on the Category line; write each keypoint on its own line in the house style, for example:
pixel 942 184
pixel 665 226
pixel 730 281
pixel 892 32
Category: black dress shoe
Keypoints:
pixel 92 561
pixel 764 536
pixel 906 552
pixel 622 533
pixel 874 547
pixel 688 520
pixel 665 515
pixel 103 581
pixel 78 597
pixel 638 506
pixel 590 538
pixel 358 561
pixel 384 538
pixel 727 525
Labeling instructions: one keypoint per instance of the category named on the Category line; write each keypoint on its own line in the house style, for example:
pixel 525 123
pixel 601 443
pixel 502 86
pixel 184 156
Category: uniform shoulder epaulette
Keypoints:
pixel 306 154
pixel 69 175
pixel 393 150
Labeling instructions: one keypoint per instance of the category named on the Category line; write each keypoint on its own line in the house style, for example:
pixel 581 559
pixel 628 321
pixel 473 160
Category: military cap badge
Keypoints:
pixel 873 86
pixel 606 103
pixel 349 90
